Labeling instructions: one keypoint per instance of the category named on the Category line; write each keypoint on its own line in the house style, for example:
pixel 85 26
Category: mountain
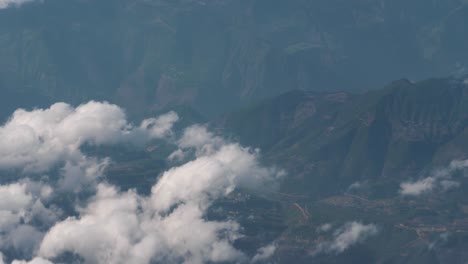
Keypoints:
pixel 330 140
pixel 222 54
pixel 347 156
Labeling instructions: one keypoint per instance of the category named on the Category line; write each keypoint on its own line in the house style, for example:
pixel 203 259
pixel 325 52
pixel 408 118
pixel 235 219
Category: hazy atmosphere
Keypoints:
pixel 233 131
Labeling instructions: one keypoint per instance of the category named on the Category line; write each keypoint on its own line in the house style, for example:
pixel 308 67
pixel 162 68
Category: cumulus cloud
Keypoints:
pixel 177 155
pixel 82 172
pixel 198 136
pixel 350 234
pixel 9 3
pixel 418 187
pixel 324 228
pixel 39 140
pixel 354 186
pixel 243 159
pixel 169 225
pixel 36 140
pixel 159 127
pixel 440 179
pixel 14 197
pixel 210 177
pixel 21 213
pixel 264 253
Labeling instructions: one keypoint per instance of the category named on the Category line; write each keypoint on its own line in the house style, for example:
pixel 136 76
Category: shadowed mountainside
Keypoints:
pixel 218 55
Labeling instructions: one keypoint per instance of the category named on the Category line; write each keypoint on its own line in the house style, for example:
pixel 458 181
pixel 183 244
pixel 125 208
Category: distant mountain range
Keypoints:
pixel 219 55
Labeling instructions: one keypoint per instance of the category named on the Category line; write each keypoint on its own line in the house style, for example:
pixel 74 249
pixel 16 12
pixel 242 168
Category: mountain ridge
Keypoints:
pixel 395 132
pixel 219 55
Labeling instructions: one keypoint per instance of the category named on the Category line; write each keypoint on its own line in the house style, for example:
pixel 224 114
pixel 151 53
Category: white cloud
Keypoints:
pixel 264 253
pixel 23 201
pixel 36 140
pixel 324 228
pixel 127 230
pixel 177 155
pixel 354 186
pixel 350 234
pixel 9 3
pixel 458 165
pixel 358 186
pixel 83 172
pixel 211 176
pixel 440 179
pixel 168 226
pixel 161 126
pixel 198 136
pixel 21 205
pixel 418 187
pixel 14 197
pixel 103 232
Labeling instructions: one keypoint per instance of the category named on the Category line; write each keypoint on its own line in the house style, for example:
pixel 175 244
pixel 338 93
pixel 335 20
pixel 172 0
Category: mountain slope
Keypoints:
pixel 218 55
pixel 330 140
pixel 347 156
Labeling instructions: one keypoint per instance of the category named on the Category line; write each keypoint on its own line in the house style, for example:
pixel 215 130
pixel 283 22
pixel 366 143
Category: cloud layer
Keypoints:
pixel 113 226
pixel 168 225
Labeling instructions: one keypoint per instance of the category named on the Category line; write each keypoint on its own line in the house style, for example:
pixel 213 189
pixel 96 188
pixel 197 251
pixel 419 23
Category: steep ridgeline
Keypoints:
pixel 216 55
pixel 328 141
